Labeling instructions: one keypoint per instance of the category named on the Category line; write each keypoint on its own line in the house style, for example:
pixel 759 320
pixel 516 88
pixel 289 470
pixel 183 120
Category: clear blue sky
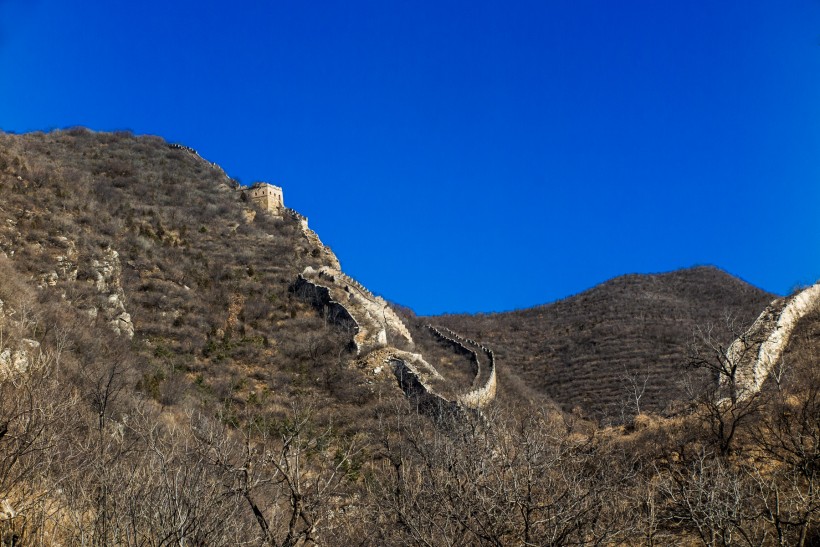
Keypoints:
pixel 468 156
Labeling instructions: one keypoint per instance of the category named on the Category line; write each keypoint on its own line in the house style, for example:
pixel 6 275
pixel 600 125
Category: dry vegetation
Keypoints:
pixel 237 416
pixel 592 351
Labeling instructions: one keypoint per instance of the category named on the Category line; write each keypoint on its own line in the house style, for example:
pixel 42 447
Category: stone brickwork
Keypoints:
pixel 484 388
pixel 267 197
pixel 378 324
pixel 758 350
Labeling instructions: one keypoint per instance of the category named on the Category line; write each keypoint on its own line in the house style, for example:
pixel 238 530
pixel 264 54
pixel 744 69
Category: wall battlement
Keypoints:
pixel 483 393
pixel 377 325
pixel 267 196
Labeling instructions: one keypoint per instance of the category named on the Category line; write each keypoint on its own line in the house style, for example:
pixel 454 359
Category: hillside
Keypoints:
pixel 591 350
pixel 180 365
pixel 154 241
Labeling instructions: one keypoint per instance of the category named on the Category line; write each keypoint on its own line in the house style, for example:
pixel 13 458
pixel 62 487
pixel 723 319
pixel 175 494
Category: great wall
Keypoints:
pixel 756 353
pixel 484 388
pixel 379 335
pixel 377 332
pixel 374 326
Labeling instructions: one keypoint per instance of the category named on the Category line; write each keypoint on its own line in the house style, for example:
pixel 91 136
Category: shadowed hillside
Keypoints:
pixel 592 350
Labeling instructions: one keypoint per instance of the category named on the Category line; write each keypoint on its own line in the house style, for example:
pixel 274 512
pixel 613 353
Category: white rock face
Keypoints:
pixel 773 328
pixel 7 512
pixel 20 360
pixel 108 282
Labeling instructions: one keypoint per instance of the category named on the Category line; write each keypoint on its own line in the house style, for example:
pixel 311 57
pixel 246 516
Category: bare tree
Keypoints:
pixel 290 472
pixel 718 391
pixel 523 482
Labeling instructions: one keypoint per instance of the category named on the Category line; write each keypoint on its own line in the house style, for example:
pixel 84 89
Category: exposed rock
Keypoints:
pixel 20 360
pixel 7 512
pixel 48 280
pixel 108 282
pixel 249 215
pixel 122 324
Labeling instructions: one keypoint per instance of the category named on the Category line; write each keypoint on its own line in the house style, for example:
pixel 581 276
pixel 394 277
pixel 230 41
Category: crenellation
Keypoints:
pixel 482 395
pixel 376 319
pixel 193 152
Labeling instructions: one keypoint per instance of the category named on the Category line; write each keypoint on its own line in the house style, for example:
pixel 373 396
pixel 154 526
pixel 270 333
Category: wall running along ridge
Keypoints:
pixel 313 237
pixel 460 348
pixel 426 399
pixel 346 302
pixel 319 296
pixel 377 324
pixel 481 396
pixel 758 350
pixel 195 153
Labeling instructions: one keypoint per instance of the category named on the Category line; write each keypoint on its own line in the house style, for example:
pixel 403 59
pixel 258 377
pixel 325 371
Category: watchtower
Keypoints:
pixel 267 196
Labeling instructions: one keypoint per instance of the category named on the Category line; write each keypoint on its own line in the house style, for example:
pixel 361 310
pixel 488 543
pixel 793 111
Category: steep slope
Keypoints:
pixel 152 241
pixel 594 349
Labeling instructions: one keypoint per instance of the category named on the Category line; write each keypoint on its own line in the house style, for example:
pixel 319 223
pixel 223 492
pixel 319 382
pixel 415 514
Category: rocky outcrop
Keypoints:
pixel 758 350
pixel 19 360
pixel 107 272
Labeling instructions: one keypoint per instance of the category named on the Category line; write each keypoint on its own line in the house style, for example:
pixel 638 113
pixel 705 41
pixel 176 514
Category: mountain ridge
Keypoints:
pixel 179 364
pixel 634 325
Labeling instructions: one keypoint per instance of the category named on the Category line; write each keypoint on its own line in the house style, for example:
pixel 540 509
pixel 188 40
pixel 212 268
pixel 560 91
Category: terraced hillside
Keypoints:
pixel 590 352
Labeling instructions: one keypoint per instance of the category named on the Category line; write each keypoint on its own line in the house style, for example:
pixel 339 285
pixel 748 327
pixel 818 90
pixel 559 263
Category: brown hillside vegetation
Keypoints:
pixel 593 350
pixel 161 384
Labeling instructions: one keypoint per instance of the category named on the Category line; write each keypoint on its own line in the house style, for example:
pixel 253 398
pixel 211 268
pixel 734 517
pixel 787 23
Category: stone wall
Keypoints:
pixel 458 347
pixel 427 401
pixel 378 325
pixel 193 152
pixel 312 237
pixel 346 302
pixel 268 197
pixel 483 392
pixel 760 348
pixel 319 296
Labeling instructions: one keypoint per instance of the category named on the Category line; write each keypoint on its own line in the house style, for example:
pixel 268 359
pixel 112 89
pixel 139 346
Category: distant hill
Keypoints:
pixel 587 350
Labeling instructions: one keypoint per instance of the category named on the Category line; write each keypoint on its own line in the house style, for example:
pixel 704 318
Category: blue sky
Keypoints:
pixel 468 156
